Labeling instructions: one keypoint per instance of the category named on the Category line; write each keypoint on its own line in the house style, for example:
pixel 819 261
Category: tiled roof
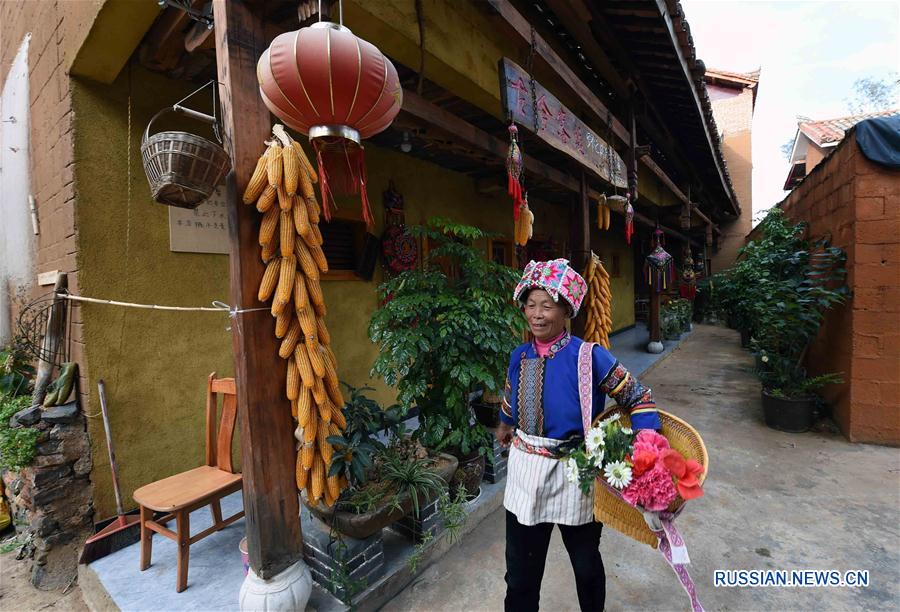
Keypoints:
pixel 742 78
pixel 831 131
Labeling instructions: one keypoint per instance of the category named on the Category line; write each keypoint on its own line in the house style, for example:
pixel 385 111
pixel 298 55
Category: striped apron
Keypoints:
pixel 536 487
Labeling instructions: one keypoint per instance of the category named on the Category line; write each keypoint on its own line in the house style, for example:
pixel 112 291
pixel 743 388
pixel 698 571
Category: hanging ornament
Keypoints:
pixel 514 167
pixel 629 222
pixel 338 89
pixel 688 287
pixel 524 223
pixel 659 266
pixel 398 245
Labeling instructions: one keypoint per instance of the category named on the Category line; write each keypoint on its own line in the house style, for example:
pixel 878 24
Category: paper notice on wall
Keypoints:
pixel 201 230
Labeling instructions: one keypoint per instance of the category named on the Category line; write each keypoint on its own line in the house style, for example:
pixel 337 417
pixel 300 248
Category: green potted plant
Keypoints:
pixel 388 478
pixel 440 336
pixel 797 281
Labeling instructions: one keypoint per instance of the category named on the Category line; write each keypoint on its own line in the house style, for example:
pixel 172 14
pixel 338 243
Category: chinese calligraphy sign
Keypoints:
pixel 201 230
pixel 557 125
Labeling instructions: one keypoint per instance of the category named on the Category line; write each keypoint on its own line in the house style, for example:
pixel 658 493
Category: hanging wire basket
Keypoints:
pixel 32 327
pixel 183 169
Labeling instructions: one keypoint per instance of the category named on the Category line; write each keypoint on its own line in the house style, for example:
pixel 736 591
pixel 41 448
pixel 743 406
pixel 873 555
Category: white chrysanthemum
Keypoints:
pixel 597 456
pixel 594 440
pixel 618 474
pixel 610 419
pixel 571 468
pixel 627 431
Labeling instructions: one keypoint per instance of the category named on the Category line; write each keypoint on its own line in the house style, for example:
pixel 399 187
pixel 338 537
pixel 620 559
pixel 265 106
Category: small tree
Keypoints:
pixel 441 337
pixel 871 95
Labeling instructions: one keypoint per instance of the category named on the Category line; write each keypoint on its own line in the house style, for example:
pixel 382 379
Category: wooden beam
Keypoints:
pixel 267 442
pixel 522 28
pixel 670 27
pixel 580 228
pixel 422 109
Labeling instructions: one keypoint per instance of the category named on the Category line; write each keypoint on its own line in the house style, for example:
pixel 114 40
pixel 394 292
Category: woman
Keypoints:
pixel 540 411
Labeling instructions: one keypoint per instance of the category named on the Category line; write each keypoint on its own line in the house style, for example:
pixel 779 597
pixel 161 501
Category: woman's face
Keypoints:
pixel 546 318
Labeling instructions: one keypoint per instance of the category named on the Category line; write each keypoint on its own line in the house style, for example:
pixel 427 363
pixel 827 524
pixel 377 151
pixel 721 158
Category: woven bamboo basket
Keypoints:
pixel 616 512
pixel 183 169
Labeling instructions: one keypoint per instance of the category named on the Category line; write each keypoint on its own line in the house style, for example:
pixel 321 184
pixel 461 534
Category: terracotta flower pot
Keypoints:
pixel 790 414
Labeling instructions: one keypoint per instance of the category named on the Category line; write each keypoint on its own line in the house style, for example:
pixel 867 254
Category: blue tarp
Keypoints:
pixel 879 140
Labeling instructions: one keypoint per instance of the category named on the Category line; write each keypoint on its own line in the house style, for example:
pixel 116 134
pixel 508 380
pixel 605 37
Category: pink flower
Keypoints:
pixel 650 439
pixel 653 490
pixel 643 460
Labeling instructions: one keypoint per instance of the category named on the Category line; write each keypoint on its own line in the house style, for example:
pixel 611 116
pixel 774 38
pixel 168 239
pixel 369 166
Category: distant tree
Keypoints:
pixel 787 148
pixel 871 95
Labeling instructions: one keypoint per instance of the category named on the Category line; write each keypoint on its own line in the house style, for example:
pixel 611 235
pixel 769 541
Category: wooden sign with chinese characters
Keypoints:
pixel 201 230
pixel 557 125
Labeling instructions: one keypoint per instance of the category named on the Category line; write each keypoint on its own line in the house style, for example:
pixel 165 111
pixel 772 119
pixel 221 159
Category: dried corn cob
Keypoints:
pixel 337 417
pixel 309 432
pixel 304 404
pixel 319 257
pixel 307 323
pixel 306 372
pixel 269 280
pixel 305 259
pixel 324 447
pixel 289 343
pixel 333 429
pixel 268 251
pixel 313 209
pixel 285 291
pixel 334 486
pixel 325 411
pixel 285 201
pixel 293 384
pixel 286 227
pixel 315 357
pixel 292 170
pixel 304 161
pixel 267 199
pixel 274 165
pixel 318 391
pixel 282 323
pixel 301 299
pixel 321 330
pixel 301 217
pixel 308 453
pixel 318 479
pixel 314 289
pixel 301 474
pixel 268 226
pixel 258 181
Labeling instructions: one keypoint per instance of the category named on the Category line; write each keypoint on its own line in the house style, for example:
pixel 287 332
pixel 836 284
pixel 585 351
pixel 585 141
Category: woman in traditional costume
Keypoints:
pixel 540 412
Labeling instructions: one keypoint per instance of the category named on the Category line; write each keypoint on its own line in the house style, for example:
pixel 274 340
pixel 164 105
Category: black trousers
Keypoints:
pixel 526 554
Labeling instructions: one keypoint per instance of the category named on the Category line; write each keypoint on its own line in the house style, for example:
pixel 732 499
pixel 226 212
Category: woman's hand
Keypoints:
pixel 504 434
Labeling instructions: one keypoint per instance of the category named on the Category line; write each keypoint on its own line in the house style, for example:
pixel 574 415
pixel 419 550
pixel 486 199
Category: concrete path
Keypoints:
pixel 773 501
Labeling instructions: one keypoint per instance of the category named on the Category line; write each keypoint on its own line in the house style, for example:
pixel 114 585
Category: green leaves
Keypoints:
pixel 441 337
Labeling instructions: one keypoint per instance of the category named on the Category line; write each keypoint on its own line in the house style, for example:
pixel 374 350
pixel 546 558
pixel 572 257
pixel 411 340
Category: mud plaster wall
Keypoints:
pixel 154 364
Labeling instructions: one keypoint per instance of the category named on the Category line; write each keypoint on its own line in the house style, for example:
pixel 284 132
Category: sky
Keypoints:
pixel 810 54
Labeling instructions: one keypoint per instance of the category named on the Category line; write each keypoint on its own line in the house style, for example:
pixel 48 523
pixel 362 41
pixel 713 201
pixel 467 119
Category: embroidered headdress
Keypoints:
pixel 555 277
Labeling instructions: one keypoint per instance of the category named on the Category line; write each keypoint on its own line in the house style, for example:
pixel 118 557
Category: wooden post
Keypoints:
pixel 267 443
pixel 581 243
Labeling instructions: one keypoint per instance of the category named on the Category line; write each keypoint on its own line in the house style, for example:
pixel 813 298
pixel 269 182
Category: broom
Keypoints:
pixel 119 533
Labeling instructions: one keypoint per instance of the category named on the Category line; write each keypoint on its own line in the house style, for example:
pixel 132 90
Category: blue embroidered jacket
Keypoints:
pixel 541 396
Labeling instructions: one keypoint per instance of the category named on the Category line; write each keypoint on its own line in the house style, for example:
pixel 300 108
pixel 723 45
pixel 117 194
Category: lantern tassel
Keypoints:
pixel 363 195
pixel 324 186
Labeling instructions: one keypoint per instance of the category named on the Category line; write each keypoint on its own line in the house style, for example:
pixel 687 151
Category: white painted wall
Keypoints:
pixel 16 234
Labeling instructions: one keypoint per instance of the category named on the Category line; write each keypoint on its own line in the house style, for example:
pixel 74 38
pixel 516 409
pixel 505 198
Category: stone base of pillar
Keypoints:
pixel 288 591
pixel 655 348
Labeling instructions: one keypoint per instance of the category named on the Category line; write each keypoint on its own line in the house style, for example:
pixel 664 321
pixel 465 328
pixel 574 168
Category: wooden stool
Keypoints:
pixel 182 493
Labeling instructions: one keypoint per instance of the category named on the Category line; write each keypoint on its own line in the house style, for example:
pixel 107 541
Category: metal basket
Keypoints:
pixel 183 169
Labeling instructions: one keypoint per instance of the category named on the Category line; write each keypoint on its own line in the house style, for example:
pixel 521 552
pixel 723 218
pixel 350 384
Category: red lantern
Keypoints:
pixel 336 88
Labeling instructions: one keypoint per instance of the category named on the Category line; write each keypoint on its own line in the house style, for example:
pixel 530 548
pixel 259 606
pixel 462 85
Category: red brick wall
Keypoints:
pixel 857 203
pixel 58 30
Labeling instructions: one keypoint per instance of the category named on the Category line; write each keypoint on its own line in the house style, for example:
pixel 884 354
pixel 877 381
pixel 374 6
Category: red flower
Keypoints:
pixel 686 473
pixel 642 461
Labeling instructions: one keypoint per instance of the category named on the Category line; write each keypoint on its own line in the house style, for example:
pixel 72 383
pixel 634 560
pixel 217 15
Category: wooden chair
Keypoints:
pixel 182 493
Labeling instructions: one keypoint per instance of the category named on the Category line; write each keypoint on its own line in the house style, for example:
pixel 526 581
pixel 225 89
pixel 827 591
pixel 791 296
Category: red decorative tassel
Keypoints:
pixel 342 171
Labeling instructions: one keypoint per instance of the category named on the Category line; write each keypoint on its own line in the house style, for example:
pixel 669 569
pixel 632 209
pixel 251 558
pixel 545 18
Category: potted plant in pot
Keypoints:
pixel 443 335
pixel 388 474
pixel 798 280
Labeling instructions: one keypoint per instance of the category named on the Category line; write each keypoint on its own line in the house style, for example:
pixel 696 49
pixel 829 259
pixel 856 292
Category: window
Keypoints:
pixel 350 250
